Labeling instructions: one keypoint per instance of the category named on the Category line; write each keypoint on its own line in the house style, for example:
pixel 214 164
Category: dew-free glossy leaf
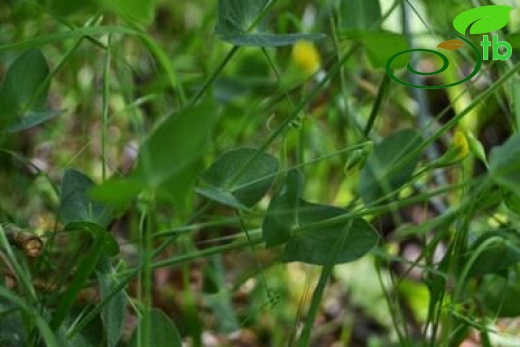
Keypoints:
pixel 359 14
pixel 390 165
pixel 163 331
pixel 483 19
pixel 23 88
pixel 504 164
pixel 75 203
pixel 317 246
pixel 282 213
pixel 244 173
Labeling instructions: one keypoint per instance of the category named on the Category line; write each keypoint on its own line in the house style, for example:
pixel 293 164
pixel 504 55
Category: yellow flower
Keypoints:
pixel 460 143
pixel 306 57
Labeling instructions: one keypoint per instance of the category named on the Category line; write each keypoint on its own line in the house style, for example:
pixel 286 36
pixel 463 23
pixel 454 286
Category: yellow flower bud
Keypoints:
pixel 306 57
pixel 460 143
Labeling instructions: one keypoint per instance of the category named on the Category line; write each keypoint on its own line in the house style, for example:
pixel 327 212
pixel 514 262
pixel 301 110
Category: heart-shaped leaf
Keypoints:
pixel 390 165
pixel 316 246
pixel 76 204
pixel 282 213
pixel 483 19
pixel 243 173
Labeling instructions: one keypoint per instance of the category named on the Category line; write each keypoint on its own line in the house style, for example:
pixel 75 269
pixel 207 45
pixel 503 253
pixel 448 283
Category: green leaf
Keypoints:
pixel 236 19
pixel 117 192
pixel 483 19
pixel 247 185
pixel 169 159
pixel 23 88
pixel 136 11
pixel 114 312
pixel 499 295
pixel 31 120
pixel 390 165
pixel 316 246
pixel 359 14
pixel 75 203
pixel 237 16
pixel 109 242
pixel 221 196
pixel 89 336
pixel 163 331
pixel 66 7
pixel 84 268
pixel 504 164
pixel 269 40
pixel 511 200
pixel 495 254
pixel 373 41
pixel 282 213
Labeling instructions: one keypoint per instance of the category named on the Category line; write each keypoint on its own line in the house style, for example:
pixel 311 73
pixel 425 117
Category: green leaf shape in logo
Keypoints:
pixel 482 19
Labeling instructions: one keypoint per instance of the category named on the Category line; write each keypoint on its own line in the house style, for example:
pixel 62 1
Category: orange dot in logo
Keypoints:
pixel 451 45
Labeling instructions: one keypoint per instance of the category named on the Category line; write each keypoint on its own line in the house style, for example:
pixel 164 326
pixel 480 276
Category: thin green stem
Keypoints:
pixel 325 275
pixel 106 104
